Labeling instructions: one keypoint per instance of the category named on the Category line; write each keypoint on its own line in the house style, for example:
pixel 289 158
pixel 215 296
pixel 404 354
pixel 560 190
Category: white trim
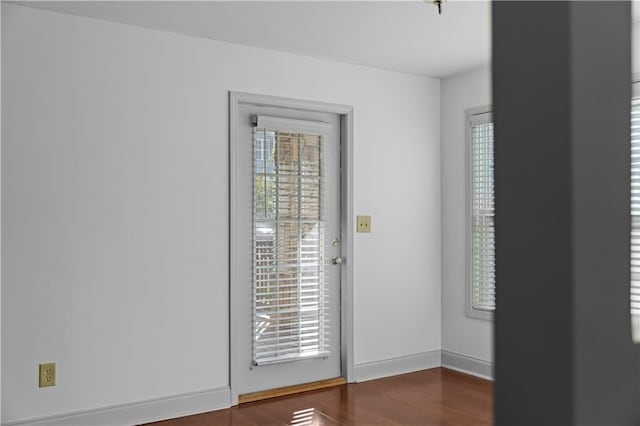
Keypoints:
pixel 139 412
pixel 347 229
pixel 400 365
pixel 234 101
pixel 482 113
pixel 468 365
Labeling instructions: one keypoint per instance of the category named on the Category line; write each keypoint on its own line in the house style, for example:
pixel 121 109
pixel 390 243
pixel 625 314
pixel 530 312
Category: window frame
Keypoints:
pixel 469 310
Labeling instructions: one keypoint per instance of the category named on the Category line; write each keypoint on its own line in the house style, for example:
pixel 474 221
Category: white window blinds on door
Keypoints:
pixel 635 217
pixel 482 214
pixel 290 295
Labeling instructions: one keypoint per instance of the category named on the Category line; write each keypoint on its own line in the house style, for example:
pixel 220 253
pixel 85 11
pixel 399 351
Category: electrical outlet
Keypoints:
pixel 364 224
pixel 47 374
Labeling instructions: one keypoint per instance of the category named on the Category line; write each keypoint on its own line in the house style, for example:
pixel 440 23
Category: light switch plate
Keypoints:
pixel 364 224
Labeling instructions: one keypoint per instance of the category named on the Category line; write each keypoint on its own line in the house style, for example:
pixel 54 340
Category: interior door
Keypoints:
pixel 287 230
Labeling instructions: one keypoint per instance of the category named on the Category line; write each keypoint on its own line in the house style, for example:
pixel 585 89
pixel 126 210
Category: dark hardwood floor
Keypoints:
pixel 431 397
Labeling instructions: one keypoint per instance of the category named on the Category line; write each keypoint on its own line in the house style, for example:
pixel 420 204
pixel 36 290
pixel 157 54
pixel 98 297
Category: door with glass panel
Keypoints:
pixel 288 237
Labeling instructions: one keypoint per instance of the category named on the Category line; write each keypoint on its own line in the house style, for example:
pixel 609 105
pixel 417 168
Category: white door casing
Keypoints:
pixel 245 375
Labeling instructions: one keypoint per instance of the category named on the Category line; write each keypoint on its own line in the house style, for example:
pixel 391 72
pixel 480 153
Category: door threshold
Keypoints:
pixel 289 390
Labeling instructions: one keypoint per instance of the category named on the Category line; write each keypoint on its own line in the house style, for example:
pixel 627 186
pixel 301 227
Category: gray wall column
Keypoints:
pixel 561 98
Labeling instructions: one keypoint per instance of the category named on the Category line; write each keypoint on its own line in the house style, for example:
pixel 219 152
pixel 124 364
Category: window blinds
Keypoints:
pixel 289 289
pixel 482 214
pixel 635 217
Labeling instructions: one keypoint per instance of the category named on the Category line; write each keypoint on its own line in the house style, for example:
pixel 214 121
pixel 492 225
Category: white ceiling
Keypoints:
pixel 398 35
pixel 406 36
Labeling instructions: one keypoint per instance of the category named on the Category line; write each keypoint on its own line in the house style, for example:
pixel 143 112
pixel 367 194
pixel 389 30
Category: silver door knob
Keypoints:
pixel 336 260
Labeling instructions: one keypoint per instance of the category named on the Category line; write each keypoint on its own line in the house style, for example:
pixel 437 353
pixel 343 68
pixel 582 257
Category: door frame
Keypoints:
pixel 346 224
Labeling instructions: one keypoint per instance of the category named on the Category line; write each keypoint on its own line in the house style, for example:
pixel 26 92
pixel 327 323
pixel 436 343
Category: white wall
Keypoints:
pixel 114 207
pixel 460 334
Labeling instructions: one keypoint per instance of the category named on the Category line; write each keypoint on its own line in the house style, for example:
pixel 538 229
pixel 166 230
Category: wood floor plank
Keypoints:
pixel 435 397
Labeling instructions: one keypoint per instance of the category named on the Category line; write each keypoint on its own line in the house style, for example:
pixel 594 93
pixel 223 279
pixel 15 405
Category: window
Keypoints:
pixel 481 291
pixel 635 213
pixel 290 302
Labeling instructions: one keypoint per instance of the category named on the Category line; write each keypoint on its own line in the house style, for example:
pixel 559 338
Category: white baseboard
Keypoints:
pixel 393 366
pixel 465 364
pixel 139 412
